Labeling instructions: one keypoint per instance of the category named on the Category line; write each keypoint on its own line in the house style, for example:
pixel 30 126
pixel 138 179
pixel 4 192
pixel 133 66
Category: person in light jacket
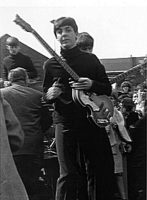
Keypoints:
pixel 11 140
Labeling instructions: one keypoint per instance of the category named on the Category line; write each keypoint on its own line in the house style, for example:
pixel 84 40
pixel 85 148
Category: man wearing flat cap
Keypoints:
pixel 73 131
pixel 17 59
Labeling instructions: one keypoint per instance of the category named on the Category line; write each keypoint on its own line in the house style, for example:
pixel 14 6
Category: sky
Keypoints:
pixel 119 27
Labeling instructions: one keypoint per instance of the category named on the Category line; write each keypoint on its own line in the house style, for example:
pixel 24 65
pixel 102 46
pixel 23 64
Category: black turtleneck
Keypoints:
pixel 85 65
pixel 70 53
pixel 18 60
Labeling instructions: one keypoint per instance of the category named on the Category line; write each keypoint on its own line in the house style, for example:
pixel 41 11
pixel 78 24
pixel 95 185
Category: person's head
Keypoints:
pixel 126 86
pixel 66 31
pixel 127 105
pixel 18 75
pixel 85 42
pixel 12 44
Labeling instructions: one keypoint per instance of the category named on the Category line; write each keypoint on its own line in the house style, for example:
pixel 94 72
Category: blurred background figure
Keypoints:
pixel 11 140
pixel 35 120
pixel 137 159
pixel 16 59
pixel 119 139
pixel 126 90
pixel 129 113
pixel 141 97
pixel 85 42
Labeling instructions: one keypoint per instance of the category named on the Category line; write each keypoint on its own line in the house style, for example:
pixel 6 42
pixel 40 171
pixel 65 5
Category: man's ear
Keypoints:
pixel 27 80
pixel 57 39
pixel 76 35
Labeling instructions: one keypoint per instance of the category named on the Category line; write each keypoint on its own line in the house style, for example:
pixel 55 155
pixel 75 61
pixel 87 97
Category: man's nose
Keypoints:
pixel 64 32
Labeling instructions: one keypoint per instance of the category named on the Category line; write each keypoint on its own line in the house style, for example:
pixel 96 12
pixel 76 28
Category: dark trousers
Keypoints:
pixel 28 167
pixel 94 145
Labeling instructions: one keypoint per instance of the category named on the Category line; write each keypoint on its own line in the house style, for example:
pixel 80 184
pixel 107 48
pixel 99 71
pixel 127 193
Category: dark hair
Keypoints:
pixel 64 21
pixel 12 41
pixel 128 103
pixel 126 84
pixel 17 74
pixel 85 41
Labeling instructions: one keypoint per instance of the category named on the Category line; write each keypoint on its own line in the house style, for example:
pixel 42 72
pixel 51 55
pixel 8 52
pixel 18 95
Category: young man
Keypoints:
pixel 126 90
pixel 73 131
pixel 17 59
pixel 85 42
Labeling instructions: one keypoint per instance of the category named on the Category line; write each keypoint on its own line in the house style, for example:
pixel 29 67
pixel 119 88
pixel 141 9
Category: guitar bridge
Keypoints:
pixel 102 122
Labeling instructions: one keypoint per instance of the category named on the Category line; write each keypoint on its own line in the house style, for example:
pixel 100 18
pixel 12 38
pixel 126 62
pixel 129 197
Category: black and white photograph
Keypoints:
pixel 73 99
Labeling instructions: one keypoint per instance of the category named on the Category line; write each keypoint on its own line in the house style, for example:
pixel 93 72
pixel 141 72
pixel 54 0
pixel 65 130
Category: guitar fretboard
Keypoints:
pixel 56 56
pixel 28 28
pixel 125 74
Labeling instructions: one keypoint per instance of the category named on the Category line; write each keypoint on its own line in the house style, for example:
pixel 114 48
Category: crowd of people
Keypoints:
pixel 129 143
pixel 93 161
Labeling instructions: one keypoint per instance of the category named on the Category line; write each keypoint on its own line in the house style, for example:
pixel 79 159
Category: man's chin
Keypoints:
pixel 65 46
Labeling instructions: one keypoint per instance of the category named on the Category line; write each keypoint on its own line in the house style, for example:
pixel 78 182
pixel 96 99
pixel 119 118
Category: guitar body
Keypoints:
pixel 100 108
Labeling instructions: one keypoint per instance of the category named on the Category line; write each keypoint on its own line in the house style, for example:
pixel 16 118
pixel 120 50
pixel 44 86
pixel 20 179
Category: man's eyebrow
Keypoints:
pixel 67 26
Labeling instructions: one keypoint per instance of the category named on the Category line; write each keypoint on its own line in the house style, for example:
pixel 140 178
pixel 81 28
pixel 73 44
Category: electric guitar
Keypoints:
pixel 99 108
pixel 129 72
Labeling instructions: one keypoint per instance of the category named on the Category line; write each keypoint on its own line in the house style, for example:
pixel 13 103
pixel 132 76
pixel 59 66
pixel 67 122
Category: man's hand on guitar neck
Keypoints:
pixel 82 84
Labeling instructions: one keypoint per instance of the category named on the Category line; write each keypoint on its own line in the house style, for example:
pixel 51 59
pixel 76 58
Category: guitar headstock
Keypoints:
pixel 27 27
pixel 143 63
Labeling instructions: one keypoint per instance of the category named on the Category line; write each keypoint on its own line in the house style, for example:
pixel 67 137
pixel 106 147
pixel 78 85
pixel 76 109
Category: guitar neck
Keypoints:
pixel 125 74
pixel 71 72
pixel 56 56
pixel 28 28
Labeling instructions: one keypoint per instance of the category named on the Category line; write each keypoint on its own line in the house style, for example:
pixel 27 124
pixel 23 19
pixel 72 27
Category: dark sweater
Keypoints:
pixel 85 65
pixel 18 60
